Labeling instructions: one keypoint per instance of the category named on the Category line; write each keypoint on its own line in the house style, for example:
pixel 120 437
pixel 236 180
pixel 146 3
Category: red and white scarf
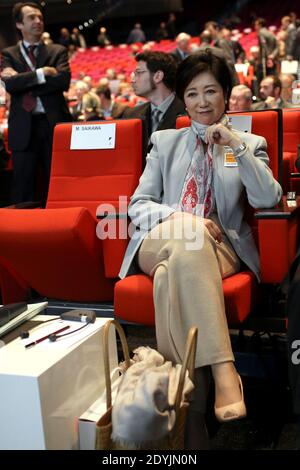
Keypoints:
pixel 197 196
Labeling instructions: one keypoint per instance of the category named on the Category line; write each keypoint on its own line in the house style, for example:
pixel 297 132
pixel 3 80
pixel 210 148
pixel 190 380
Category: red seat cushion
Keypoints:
pixel 58 250
pixel 134 298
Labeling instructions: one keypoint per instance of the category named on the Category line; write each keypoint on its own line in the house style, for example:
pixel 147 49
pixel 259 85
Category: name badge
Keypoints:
pixel 229 159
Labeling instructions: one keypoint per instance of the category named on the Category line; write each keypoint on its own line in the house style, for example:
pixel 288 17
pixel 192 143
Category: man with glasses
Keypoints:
pixel 154 79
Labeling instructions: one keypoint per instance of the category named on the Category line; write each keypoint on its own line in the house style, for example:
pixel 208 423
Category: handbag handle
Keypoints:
pixel 125 349
pixel 188 363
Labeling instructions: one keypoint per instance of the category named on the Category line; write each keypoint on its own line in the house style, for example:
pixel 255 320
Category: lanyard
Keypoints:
pixel 26 57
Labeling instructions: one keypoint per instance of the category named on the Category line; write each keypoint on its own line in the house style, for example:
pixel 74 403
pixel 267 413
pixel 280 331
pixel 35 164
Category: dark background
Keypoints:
pixel 119 16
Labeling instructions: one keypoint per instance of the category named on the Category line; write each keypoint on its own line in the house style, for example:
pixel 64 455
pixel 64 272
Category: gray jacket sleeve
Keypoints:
pixel 145 208
pixel 261 187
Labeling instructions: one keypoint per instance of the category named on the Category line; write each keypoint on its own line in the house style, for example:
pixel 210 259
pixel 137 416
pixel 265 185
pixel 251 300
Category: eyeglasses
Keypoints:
pixel 136 73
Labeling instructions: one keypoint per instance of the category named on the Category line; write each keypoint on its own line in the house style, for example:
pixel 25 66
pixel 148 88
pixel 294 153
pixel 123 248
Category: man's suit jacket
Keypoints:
pixel 261 105
pixel 118 110
pixel 267 43
pixel 168 120
pixel 178 55
pixel 161 183
pixel 50 93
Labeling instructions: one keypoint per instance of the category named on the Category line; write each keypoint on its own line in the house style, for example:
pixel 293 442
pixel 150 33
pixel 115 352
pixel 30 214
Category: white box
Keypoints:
pixel 43 390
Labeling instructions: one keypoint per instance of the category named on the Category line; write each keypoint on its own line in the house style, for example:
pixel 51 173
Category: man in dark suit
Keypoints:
pixel 36 75
pixel 182 47
pixel 154 79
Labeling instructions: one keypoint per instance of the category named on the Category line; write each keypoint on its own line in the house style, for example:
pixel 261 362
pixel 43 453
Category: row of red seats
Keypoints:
pixel 96 61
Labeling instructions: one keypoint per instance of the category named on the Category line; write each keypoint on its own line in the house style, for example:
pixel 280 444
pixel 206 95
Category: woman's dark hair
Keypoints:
pixel 203 61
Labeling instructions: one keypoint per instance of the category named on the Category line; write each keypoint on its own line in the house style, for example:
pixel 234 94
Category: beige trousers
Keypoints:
pixel 188 288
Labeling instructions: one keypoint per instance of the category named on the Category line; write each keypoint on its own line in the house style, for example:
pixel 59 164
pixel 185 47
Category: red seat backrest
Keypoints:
pixel 87 178
pixel 291 130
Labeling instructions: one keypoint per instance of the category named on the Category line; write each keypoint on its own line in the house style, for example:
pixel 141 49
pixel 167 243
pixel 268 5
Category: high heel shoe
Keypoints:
pixel 234 410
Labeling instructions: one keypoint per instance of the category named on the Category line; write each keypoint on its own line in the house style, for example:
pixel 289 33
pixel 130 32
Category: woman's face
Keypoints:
pixel 204 99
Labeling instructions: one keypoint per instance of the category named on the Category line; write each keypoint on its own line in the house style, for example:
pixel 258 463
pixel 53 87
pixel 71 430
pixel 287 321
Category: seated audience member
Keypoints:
pixel 92 114
pixel 182 47
pixel 270 90
pixel 109 107
pixel 113 81
pixel 85 99
pixel 154 79
pixel 240 98
pixel 46 38
pixel 286 80
pixel 191 232
pixel 205 40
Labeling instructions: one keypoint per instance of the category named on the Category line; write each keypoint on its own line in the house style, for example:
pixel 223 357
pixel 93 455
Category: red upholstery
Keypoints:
pixel 56 250
pixel 89 177
pixel 12 287
pixel 277 237
pixel 291 140
pixel 133 295
pixel 134 298
pixel 291 130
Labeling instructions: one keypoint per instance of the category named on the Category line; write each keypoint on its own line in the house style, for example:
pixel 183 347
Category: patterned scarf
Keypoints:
pixel 197 195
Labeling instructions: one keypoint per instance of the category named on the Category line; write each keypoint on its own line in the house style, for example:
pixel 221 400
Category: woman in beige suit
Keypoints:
pixel 188 211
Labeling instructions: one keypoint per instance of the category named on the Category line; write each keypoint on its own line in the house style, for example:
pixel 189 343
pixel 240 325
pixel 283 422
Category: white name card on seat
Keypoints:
pixel 93 136
pixel 241 123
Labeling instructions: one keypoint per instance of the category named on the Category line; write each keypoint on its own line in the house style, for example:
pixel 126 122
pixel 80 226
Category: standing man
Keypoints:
pixel 154 79
pixel 268 47
pixel 36 75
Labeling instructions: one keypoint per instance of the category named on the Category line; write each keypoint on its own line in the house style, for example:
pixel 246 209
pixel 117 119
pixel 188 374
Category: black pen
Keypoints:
pixel 29 345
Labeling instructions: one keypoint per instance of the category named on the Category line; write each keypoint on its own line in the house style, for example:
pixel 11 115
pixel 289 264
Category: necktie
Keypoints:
pixel 31 55
pixel 156 113
pixel 29 100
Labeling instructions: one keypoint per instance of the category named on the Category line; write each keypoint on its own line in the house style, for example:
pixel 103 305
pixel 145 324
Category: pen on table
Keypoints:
pixel 29 345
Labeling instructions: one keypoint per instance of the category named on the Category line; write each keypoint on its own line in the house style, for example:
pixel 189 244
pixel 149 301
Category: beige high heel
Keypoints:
pixel 234 410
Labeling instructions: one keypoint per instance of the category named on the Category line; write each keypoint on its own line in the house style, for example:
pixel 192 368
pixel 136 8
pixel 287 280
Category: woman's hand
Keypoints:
pixel 219 134
pixel 211 226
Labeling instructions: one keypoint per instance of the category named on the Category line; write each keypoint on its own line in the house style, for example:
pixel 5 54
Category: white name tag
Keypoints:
pixel 93 136
pixel 229 158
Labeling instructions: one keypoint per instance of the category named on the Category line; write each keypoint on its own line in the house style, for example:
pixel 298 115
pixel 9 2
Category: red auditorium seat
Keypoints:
pixel 291 140
pixel 56 250
pixel 276 233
